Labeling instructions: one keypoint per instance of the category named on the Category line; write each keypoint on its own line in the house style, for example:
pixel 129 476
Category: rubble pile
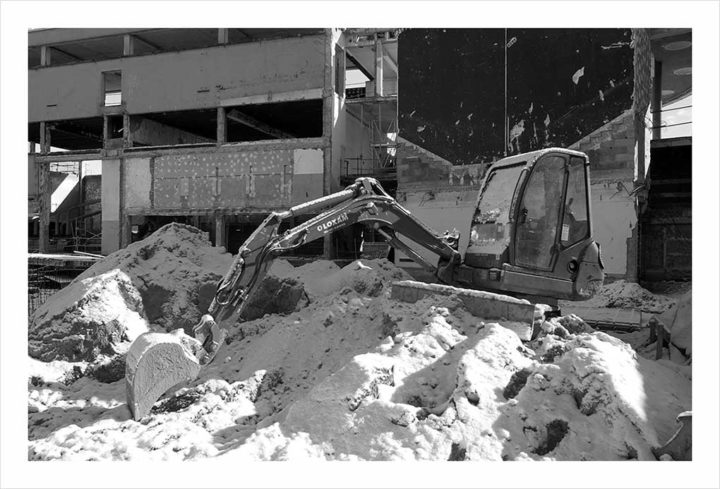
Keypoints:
pixel 348 373
pixel 176 271
pixel 93 316
pixel 629 295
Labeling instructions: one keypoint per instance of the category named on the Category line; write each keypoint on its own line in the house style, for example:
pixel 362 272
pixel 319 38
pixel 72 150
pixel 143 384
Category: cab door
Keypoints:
pixel 539 214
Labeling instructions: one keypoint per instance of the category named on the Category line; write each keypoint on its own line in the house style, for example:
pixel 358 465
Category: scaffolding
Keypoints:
pixel 47 274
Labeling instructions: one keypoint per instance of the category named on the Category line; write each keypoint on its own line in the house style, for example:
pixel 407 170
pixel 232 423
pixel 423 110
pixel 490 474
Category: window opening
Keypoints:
pixel 112 88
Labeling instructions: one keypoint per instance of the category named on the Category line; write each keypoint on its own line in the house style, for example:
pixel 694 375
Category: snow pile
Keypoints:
pixel 355 375
pixel 94 315
pixel 476 393
pixel 629 295
pixel 176 271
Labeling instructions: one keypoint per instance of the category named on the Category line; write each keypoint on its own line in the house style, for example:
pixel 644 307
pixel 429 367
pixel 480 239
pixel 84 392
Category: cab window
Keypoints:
pixel 493 209
pixel 539 213
pixel 575 218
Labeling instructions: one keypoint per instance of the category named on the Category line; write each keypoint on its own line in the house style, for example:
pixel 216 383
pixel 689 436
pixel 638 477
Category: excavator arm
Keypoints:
pixel 365 201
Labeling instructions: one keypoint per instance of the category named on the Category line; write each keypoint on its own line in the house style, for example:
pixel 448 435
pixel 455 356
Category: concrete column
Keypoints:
pixel 110 205
pixel 44 205
pixel 221 126
pixel 45 55
pixel 219 230
pixel 657 101
pixel 378 68
pixel 223 36
pixel 128 45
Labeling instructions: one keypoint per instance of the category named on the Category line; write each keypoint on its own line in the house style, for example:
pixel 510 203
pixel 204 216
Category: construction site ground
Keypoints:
pixel 327 365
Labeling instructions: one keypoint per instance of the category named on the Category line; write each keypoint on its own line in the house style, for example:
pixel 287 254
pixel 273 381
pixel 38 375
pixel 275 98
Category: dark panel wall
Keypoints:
pixel 562 84
pixel 450 92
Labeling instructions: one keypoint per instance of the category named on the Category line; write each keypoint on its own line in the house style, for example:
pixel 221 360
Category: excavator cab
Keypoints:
pixel 531 229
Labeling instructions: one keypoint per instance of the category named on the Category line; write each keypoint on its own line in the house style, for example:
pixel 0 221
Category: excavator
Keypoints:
pixel 530 237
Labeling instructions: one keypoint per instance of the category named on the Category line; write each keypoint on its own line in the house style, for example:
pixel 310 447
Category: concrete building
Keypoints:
pixel 213 127
pixel 218 127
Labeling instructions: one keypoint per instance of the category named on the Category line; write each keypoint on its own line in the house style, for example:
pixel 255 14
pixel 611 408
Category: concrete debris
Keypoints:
pixel 93 316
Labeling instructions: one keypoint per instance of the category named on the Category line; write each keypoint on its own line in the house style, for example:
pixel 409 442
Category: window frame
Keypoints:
pixel 516 211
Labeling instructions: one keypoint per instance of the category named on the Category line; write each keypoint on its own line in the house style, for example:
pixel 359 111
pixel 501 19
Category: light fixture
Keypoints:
pixel 667 92
pixel 687 70
pixel 677 45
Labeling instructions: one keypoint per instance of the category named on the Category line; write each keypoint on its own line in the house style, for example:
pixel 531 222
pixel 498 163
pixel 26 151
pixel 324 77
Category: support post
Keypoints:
pixel 223 36
pixel 328 122
pixel 45 55
pixel 45 142
pixel 657 101
pixel 221 126
pixel 44 205
pixel 106 131
pixel 128 45
pixel 378 68
pixel 219 230
pixel 127 133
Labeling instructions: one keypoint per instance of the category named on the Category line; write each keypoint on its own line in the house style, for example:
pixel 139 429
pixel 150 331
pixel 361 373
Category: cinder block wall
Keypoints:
pixel 611 150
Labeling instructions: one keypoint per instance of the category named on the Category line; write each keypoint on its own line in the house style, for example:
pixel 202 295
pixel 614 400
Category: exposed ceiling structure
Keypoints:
pixel 84 45
pixel 673 48
pixel 360 51
pixel 75 134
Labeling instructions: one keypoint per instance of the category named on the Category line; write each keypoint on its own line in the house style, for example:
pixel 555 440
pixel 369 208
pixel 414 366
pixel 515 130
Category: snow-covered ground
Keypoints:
pixel 355 375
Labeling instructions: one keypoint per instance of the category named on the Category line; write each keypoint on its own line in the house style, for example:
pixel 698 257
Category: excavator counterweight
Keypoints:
pixel 530 236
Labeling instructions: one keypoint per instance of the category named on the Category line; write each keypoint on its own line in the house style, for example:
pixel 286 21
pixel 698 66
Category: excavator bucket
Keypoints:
pixel 159 362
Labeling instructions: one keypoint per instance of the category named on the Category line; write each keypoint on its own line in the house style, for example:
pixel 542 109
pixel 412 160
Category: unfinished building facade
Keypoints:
pixel 211 127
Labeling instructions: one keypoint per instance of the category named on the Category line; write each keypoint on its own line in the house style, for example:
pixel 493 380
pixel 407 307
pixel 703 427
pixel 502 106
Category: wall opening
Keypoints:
pixel 112 88
pixel 281 120
pixel 71 134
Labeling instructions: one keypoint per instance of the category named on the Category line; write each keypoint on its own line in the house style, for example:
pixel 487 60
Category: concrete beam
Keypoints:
pixel 237 116
pixel 40 37
pixel 267 98
pixel 77 132
pixel 359 65
pixel 391 62
pixel 153 133
pixel 149 44
pixel 65 53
